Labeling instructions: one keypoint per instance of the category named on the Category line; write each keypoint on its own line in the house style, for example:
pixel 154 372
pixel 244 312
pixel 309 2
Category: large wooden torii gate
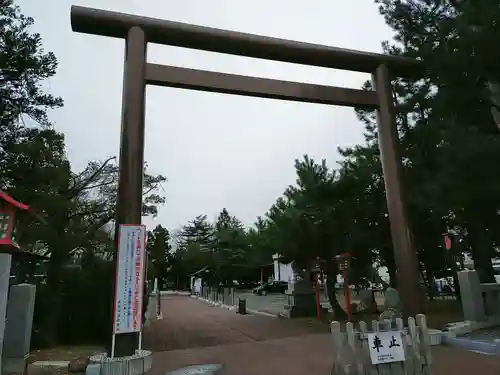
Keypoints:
pixel 139 31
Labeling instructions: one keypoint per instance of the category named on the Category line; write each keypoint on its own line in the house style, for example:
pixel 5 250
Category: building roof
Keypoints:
pixel 6 197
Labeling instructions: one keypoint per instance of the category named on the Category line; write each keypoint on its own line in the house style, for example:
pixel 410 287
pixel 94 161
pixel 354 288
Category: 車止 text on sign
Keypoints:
pixel 129 287
pixel 386 347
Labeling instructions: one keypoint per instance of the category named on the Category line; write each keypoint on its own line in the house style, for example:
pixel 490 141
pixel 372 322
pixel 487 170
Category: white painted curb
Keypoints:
pixel 229 307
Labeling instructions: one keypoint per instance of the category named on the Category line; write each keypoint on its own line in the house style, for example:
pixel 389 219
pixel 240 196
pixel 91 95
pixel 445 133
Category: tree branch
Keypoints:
pixel 78 189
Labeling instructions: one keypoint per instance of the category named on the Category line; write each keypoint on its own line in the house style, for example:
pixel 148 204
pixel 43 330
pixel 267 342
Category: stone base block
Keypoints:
pixel 12 366
pixel 435 337
pixel 136 364
pixel 468 326
pixel 300 305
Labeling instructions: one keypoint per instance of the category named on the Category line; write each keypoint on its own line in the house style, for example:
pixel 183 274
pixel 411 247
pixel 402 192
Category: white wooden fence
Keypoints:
pixel 356 350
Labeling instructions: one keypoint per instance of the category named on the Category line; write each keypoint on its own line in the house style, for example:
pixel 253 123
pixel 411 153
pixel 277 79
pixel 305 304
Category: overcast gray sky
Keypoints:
pixel 216 150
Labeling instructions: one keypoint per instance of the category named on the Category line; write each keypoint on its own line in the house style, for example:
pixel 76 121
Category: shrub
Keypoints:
pixel 86 306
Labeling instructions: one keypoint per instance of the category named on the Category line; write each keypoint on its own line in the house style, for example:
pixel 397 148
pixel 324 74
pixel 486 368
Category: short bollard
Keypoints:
pixel 242 306
pixel 158 302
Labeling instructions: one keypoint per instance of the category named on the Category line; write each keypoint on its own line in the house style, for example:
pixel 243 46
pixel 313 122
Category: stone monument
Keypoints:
pixel 471 296
pixel 392 305
pixel 5 261
pixel 17 338
pixel 301 297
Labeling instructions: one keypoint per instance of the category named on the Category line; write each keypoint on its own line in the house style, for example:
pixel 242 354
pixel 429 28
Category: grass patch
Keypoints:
pixel 65 353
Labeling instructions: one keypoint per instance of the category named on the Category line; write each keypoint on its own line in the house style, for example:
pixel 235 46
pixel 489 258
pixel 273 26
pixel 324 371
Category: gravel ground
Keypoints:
pixel 59 354
pixel 274 303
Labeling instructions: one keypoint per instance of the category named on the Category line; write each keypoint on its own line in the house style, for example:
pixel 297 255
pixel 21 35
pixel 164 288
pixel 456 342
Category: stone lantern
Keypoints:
pixel 9 208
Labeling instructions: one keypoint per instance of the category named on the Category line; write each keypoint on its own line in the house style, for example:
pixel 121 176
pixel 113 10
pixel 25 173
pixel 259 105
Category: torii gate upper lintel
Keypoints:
pixel 139 31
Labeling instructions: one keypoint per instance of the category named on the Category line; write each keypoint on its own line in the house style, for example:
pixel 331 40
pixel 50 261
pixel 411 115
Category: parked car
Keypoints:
pixel 496 271
pixel 445 285
pixel 271 287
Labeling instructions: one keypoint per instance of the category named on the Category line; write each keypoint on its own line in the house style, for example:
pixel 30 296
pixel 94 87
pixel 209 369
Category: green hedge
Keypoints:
pixel 86 306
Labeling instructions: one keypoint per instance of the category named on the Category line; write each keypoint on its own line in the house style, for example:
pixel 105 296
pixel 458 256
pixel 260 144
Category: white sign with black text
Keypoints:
pixel 386 347
pixel 129 287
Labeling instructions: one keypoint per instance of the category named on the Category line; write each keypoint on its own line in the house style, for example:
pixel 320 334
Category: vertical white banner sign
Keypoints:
pixel 129 287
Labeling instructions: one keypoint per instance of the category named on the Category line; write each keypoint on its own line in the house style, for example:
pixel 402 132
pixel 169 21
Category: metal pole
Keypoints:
pixel 131 165
pixel 408 278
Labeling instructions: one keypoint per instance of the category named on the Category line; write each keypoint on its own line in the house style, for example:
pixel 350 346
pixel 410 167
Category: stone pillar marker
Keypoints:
pixel 17 338
pixel 5 261
pixel 301 297
pixel 472 298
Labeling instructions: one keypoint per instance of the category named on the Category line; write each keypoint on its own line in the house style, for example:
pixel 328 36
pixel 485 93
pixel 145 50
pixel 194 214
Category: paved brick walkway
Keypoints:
pixel 193 332
pixel 190 323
